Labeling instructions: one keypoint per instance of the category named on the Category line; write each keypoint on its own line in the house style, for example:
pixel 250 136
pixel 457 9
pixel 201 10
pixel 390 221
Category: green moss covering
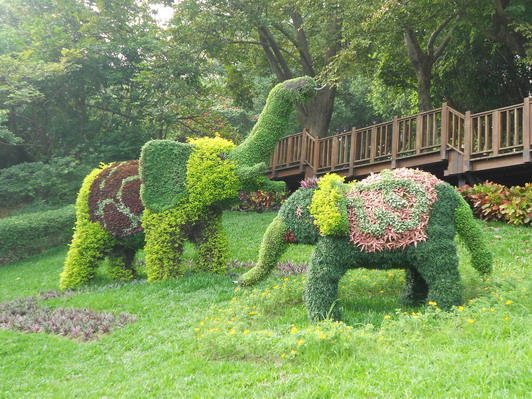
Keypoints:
pixel 163 170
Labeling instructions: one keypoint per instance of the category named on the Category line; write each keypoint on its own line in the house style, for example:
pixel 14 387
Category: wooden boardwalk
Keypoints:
pixel 443 141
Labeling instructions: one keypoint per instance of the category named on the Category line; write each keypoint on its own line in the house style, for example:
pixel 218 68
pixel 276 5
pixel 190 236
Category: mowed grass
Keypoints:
pixel 200 336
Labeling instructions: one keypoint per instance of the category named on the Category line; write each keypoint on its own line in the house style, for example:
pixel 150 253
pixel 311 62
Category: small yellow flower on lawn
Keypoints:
pixel 470 320
pixel 387 316
pixel 294 330
pixel 300 342
pixel 506 318
pixel 283 355
pixel 246 331
pixel 509 302
pixel 460 308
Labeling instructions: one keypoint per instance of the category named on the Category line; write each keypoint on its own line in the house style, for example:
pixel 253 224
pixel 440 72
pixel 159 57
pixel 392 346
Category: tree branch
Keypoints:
pixel 437 31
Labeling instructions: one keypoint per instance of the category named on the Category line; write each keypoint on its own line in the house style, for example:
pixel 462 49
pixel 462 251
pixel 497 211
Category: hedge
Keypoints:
pixel 28 234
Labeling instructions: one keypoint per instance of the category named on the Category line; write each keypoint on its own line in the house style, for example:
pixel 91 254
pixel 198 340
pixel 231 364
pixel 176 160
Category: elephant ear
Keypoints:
pixel 163 170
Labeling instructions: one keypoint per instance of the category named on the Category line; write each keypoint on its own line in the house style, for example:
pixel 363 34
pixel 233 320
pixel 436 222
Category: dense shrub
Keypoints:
pixel 492 201
pixel 56 182
pixel 27 234
pixel 260 201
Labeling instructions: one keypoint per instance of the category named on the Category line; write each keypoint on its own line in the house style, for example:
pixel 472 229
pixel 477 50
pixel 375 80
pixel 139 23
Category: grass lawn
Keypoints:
pixel 200 337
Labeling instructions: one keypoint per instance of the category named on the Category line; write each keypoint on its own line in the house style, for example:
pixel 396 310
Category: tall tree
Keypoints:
pixel 293 37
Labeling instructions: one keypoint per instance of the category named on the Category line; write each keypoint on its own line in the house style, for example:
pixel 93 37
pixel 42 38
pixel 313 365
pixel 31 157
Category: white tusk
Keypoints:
pixel 321 88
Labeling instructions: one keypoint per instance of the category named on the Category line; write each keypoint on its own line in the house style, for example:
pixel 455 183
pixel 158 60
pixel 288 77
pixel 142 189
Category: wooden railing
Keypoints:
pixel 440 135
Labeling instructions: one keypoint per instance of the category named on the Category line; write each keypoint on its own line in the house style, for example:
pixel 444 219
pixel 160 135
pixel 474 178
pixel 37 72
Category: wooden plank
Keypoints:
pixel 352 152
pixel 334 152
pixel 316 161
pixel 289 149
pixel 419 133
pixel 444 133
pixel 468 138
pixel 496 132
pixel 303 155
pixel 395 140
pixel 373 149
pixel 527 129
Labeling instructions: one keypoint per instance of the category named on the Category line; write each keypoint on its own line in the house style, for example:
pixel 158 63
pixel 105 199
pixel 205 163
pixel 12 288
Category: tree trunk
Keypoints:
pixel 316 114
pixel 423 88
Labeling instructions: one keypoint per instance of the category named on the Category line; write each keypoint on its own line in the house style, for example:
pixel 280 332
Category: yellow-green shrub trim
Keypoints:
pixel 328 206
pixel 164 243
pixel 211 178
pixel 89 243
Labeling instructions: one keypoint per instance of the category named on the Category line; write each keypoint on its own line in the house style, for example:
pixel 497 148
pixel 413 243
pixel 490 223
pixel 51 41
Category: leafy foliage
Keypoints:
pixel 260 201
pixel 27 234
pixel 492 201
pixel 328 207
pixel 56 182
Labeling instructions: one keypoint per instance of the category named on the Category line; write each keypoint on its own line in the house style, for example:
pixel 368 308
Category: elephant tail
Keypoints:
pixel 473 237
pixel 272 247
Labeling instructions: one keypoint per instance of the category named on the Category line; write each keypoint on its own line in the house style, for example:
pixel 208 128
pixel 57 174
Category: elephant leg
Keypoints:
pixel 212 245
pixel 327 266
pixel 121 263
pixel 416 289
pixel 164 244
pixel 90 244
pixel 437 264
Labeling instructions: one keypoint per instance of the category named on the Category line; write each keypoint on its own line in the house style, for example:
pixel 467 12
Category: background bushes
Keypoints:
pixel 56 182
pixel 24 235
pixel 492 201
pixel 260 201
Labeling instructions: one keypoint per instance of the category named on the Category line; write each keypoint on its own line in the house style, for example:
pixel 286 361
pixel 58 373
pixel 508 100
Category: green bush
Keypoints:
pixel 24 235
pixel 56 182
pixel 492 201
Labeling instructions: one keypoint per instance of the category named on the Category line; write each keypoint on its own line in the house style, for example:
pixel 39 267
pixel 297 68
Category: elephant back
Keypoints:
pixel 114 199
pixel 390 210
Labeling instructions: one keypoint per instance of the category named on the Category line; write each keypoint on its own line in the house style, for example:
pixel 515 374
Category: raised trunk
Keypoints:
pixel 273 121
pixel 316 114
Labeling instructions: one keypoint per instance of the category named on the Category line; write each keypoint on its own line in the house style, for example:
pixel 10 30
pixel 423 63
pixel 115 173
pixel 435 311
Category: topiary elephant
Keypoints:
pixel 175 192
pixel 403 218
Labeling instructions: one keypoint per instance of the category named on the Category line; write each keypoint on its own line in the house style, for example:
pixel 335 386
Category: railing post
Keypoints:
pixel 373 141
pixel 303 150
pixel 334 153
pixel 444 133
pixel 316 162
pixel 419 133
pixel 289 148
pixel 395 141
pixel 275 159
pixel 527 129
pixel 468 142
pixel 352 152
pixel 496 131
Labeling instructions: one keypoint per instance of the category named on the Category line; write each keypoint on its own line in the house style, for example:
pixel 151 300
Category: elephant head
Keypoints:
pixel 165 164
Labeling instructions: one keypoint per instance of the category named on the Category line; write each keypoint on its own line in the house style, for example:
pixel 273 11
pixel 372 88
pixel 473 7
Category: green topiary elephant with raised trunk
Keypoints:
pixel 402 218
pixel 175 192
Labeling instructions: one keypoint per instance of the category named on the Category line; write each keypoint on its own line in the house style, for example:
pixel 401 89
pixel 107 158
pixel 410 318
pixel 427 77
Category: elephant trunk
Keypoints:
pixel 273 121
